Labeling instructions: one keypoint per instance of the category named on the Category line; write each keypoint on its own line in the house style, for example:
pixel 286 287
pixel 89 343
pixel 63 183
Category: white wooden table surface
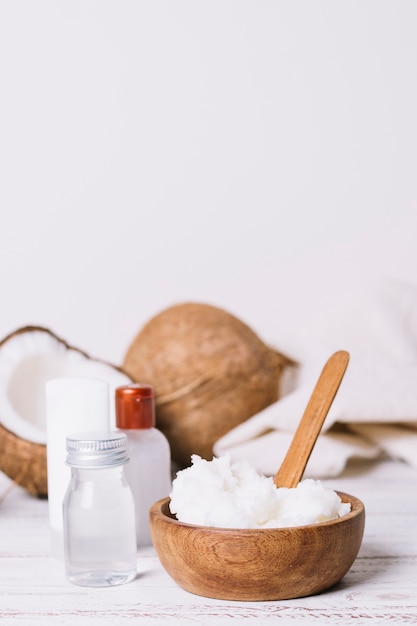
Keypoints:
pixel 381 586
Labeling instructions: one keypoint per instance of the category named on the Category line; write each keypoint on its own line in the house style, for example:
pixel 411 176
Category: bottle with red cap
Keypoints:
pixel 149 468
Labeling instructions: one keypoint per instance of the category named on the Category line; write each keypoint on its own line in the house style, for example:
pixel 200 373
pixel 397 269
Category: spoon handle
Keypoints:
pixel 298 454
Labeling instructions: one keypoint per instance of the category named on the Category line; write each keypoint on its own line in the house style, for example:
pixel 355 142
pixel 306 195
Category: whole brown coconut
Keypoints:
pixel 210 372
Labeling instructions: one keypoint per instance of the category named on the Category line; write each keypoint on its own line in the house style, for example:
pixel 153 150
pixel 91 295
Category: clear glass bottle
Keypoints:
pixel 149 469
pixel 72 404
pixel 99 511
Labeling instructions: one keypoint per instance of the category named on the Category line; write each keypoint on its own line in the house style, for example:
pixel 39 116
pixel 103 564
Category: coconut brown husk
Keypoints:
pixel 22 460
pixel 210 372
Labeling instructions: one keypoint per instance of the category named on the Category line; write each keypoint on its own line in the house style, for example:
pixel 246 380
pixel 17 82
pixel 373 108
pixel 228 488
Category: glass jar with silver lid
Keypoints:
pixel 99 511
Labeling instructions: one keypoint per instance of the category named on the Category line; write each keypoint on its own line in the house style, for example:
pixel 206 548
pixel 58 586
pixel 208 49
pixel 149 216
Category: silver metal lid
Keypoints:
pixel 96 449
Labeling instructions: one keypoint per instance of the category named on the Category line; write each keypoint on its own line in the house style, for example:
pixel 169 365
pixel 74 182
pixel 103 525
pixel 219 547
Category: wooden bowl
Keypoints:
pixel 257 564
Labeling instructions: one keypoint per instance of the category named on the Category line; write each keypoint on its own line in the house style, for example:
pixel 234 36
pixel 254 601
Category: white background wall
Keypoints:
pixel 249 154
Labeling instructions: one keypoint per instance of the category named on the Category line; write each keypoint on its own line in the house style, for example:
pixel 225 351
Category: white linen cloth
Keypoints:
pixel 375 410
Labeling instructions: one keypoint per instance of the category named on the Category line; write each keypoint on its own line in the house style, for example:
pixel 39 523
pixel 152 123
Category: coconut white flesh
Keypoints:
pixel 27 361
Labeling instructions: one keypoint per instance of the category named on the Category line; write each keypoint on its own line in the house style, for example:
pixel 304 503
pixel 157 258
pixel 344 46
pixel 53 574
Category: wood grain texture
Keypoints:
pixel 380 587
pixel 295 461
pixel 257 565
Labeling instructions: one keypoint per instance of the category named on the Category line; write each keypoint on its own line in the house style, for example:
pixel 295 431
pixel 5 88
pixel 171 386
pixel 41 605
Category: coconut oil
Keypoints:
pixel 149 469
pixel 72 404
pixel 99 512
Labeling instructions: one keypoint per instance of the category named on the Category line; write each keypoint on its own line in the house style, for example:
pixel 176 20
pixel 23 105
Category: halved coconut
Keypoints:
pixel 29 357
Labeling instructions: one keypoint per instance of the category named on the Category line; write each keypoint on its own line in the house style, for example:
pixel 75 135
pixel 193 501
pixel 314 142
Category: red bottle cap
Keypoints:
pixel 135 406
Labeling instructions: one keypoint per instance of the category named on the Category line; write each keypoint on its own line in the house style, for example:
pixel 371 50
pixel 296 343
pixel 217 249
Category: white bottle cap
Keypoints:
pixel 72 404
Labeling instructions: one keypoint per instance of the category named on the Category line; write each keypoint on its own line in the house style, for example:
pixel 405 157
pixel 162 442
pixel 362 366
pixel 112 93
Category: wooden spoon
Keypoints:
pixel 305 437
